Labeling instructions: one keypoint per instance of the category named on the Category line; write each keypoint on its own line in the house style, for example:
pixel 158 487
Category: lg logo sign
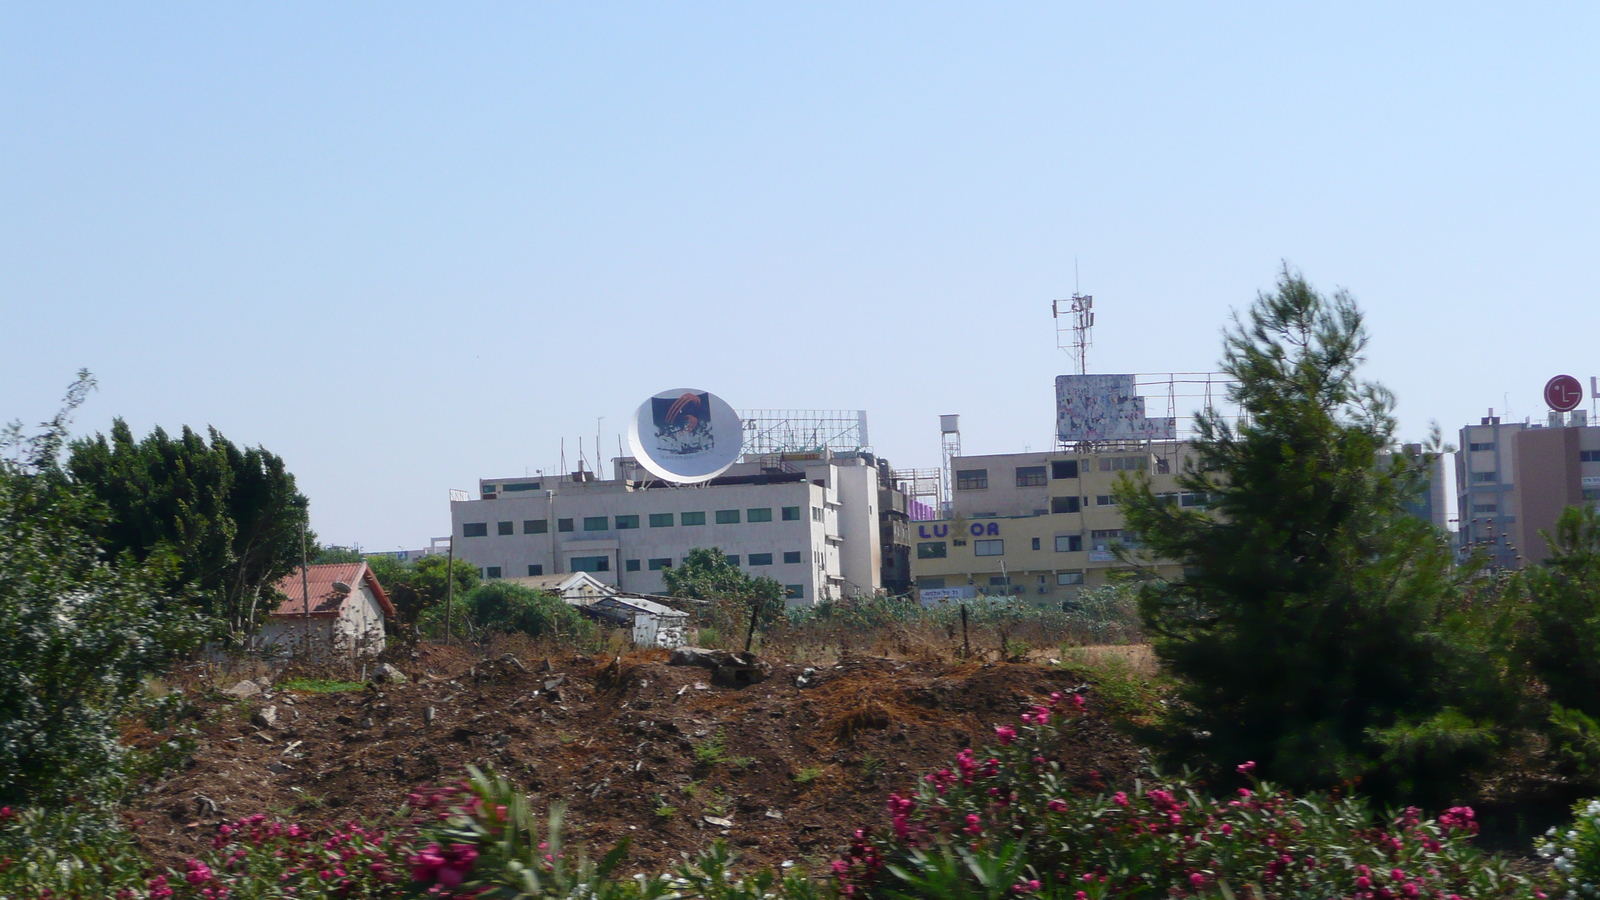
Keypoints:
pixel 1563 393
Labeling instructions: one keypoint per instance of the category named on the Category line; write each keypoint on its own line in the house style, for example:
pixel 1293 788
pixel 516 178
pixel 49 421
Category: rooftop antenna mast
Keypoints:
pixel 1074 322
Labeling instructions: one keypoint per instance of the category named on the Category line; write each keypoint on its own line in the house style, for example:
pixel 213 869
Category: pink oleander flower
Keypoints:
pixel 1006 734
pixel 1247 767
pixel 1057 805
pixel 1119 798
pixel 1080 701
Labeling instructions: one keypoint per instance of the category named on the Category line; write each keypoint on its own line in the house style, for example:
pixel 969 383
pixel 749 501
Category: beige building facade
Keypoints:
pixel 1040 526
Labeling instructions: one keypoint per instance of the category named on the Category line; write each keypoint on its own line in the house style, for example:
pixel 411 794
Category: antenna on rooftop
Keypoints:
pixel 1074 321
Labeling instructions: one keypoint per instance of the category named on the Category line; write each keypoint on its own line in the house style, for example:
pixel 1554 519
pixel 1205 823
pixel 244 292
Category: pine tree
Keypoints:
pixel 1315 631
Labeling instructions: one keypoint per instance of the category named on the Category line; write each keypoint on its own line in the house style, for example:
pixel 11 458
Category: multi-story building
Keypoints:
pixel 1041 525
pixel 1514 479
pixel 810 523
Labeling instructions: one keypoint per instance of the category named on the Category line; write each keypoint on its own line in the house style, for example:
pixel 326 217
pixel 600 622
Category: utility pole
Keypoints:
pixel 305 584
pixel 449 586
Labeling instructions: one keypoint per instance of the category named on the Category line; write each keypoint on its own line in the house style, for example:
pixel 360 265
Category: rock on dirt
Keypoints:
pixel 243 689
pixel 388 674
pixel 727 668
pixel 265 717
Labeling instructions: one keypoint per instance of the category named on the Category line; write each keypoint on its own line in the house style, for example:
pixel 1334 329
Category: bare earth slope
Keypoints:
pixel 630 744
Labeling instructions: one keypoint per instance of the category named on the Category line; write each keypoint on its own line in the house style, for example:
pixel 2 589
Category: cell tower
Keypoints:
pixel 1074 321
pixel 950 446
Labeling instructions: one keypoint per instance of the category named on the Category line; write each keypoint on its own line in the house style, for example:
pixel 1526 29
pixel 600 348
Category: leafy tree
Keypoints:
pixel 501 607
pixel 1316 629
pixel 229 520
pixel 414 587
pixel 708 574
pixel 77 635
pixel 1555 638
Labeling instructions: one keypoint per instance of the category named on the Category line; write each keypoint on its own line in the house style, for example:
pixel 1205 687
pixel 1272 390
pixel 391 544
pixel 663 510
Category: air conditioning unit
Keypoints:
pixel 1043 589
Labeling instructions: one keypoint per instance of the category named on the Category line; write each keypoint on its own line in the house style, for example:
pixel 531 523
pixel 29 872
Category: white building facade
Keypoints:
pixel 809 523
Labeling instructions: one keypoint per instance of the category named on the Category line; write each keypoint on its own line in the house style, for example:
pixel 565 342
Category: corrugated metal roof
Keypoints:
pixel 318 584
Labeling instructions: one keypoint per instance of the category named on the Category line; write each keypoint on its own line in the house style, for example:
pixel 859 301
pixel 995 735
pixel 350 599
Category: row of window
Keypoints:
pixel 624 523
pixel 1099 539
pixel 1002 581
pixel 1034 476
pixel 1589 456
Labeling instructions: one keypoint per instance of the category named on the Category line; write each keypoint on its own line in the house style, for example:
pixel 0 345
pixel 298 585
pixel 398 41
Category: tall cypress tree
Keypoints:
pixel 1315 630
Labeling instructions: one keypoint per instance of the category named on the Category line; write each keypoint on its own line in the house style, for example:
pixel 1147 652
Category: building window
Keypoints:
pixel 1065 578
pixel 591 564
pixel 931 550
pixel 563 524
pixel 594 523
pixel 1035 543
pixel 630 565
pixel 999 581
pixel 1064 468
pixel 791 556
pixel 664 562
pixel 1589 456
pixel 488 489
pixel 1483 477
pixel 1591 494
pixel 1102 539
pixel 1069 543
pixel 491 572
pixel 535 569
pixel 535 526
pixel 521 486
pixel 1063 504
pixel 761 559
pixel 794 592
pixel 1485 507
pixel 504 528
pixel 627 522
pixel 762 514
pixel 989 548
pixel 930 582
pixel 1105 500
pixel 1030 476
pixel 791 513
pixel 692 518
pixel 1488 445
pixel 1124 463
pixel 733 559
pixel 816 514
pixel 1194 499
pixel 727 517
pixel 661 520
pixel 972 479
pixel 474 529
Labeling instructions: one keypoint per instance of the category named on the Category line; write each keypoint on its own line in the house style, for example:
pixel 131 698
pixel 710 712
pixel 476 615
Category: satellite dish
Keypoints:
pixel 341 587
pixel 686 435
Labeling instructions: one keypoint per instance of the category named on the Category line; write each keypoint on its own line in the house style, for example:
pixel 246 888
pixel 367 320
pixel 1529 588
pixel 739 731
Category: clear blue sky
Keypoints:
pixel 407 246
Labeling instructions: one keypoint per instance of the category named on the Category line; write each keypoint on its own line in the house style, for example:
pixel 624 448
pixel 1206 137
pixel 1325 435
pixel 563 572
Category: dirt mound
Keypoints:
pixel 634 746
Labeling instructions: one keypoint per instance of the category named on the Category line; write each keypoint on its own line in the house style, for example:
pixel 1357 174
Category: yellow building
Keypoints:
pixel 1039 526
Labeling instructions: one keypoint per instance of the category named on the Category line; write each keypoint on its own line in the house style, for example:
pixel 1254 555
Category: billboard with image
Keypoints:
pixel 686 435
pixel 1105 408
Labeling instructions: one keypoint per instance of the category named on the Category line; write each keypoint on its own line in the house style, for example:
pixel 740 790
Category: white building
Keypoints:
pixel 810 521
pixel 328 611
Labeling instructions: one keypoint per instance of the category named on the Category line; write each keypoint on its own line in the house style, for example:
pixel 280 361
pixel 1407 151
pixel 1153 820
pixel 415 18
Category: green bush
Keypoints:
pixel 67 852
pixel 1574 854
pixel 1009 822
pixel 499 607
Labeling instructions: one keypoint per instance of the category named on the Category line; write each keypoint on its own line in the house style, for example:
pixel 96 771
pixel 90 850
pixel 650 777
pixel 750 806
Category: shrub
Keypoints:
pixel 1008 822
pixel 1574 854
pixel 66 852
pixel 499 607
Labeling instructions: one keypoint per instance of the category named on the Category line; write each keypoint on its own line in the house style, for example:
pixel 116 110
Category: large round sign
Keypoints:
pixel 686 435
pixel 1563 393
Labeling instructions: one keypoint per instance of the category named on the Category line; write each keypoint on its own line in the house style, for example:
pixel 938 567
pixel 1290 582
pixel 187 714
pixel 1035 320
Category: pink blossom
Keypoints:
pixel 1119 798
pixel 1057 805
pixel 1006 734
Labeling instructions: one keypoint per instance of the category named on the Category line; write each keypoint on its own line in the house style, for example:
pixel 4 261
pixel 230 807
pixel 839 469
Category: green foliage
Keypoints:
pixel 417 586
pixel 1010 821
pixel 228 519
pixel 808 775
pixel 319 685
pixel 1574 853
pixel 330 554
pixel 1316 631
pixel 67 852
pixel 77 636
pixel 707 574
pixel 500 607
pixel 712 750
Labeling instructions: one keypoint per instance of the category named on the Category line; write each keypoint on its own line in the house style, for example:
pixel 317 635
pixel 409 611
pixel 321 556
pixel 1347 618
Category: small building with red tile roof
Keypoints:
pixel 335 609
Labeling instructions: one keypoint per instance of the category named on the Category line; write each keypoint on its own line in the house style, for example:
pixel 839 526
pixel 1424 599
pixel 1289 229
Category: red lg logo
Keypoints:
pixel 1563 393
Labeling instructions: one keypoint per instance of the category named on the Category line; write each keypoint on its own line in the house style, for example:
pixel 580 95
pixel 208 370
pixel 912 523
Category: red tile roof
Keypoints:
pixel 324 600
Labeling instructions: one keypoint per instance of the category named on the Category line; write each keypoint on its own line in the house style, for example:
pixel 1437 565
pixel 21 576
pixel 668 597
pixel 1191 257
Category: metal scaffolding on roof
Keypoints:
pixel 804 430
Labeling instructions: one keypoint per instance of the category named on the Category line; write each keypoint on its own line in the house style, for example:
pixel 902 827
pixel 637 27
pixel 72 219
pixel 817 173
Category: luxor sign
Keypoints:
pixel 976 529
